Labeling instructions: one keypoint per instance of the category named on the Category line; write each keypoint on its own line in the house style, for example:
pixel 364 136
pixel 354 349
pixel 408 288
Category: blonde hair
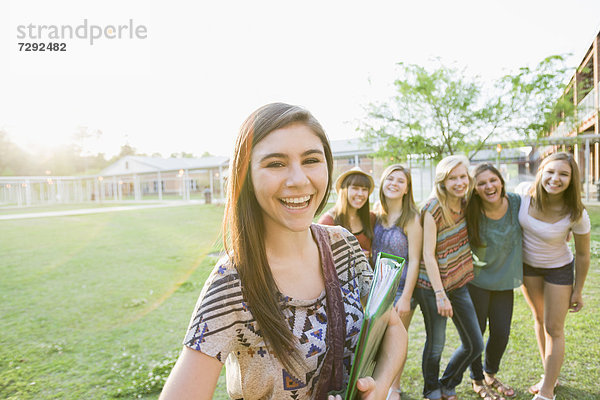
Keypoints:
pixel 442 170
pixel 409 209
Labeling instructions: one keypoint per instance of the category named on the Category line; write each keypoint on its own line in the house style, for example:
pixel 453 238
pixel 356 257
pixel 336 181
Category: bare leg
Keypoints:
pixel 395 394
pixel 533 290
pixel 556 305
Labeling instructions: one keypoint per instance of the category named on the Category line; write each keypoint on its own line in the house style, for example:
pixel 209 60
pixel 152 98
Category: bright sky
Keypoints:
pixel 205 65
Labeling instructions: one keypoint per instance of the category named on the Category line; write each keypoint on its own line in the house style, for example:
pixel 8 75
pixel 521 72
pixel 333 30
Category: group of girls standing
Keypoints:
pixel 478 243
pixel 282 309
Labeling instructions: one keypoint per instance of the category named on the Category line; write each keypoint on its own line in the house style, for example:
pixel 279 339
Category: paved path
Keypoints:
pixel 97 210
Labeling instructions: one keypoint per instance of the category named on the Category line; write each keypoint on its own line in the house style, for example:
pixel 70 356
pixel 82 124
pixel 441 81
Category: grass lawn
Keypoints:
pixel 96 306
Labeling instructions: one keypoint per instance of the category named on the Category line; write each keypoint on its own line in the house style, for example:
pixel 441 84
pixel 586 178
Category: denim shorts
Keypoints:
pixel 557 276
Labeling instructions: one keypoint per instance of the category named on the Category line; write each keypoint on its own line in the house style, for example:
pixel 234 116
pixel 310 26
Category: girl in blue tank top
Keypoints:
pixel 398 231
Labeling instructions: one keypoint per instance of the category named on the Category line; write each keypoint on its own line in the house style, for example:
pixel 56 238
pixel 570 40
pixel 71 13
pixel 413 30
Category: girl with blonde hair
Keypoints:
pixel 441 286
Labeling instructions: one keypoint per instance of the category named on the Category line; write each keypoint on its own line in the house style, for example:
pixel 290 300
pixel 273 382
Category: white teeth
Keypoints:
pixel 296 200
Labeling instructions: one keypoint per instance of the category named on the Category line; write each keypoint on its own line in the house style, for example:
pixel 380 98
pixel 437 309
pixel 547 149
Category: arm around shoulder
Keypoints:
pixel 194 376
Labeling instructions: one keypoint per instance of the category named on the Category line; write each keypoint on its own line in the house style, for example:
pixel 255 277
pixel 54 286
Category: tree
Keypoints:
pixel 183 154
pixel 13 160
pixel 442 111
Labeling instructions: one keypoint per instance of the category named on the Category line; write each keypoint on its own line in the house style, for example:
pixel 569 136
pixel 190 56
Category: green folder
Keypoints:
pixel 387 274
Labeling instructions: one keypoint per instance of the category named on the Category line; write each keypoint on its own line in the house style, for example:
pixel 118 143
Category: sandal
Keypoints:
pixel 500 387
pixel 535 389
pixel 485 392
pixel 451 397
pixel 393 391
pixel 540 397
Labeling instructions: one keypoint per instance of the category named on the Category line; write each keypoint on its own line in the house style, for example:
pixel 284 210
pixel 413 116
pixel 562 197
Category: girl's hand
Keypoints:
pixel 403 306
pixel 368 390
pixel 443 304
pixel 576 303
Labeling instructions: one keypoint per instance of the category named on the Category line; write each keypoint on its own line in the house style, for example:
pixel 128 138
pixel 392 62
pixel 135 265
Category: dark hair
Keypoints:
pixel 341 216
pixel 243 226
pixel 572 195
pixel 475 207
pixel 409 209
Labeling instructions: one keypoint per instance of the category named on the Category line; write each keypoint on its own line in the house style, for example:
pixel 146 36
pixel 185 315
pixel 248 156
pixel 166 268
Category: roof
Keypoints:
pixel 140 165
pixel 350 147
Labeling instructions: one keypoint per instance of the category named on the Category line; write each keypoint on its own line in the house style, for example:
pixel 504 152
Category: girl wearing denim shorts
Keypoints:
pixel 550 212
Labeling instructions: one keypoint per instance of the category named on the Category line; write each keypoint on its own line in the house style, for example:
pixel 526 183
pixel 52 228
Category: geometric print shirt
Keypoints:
pixel 222 326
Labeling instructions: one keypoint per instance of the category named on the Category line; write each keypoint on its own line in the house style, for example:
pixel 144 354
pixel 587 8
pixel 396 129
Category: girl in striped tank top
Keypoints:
pixel 441 287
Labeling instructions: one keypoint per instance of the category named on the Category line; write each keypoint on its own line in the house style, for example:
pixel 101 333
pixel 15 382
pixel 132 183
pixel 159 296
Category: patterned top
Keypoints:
pixel 452 250
pixel 502 250
pixel 222 326
pixel 391 240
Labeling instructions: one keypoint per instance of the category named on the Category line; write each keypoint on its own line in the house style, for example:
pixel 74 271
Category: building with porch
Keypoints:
pixel 582 137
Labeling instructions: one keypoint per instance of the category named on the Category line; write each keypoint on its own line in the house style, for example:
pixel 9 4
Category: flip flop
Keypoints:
pixel 535 389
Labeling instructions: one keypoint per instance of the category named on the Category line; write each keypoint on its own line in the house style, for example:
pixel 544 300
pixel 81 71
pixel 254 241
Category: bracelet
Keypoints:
pixel 439 291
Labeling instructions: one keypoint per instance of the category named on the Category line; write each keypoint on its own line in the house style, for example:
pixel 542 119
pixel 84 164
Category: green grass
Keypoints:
pixel 96 306
pixel 87 300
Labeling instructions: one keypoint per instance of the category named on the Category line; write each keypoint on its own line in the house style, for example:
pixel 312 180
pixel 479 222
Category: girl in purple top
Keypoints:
pixel 398 231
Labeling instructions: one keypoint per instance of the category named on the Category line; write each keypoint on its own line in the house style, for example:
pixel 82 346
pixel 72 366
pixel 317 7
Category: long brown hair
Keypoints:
pixel 342 217
pixel 475 207
pixel 571 196
pixel 243 226
pixel 409 209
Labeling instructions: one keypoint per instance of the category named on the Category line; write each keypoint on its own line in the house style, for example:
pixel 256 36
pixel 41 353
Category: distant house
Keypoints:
pixel 137 177
pixel 140 178
pixel 349 153
pixel 155 177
